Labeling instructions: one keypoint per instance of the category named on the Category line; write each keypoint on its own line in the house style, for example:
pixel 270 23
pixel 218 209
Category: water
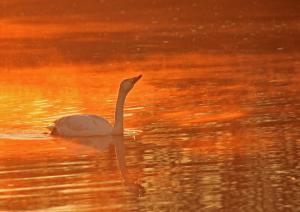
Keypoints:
pixel 213 124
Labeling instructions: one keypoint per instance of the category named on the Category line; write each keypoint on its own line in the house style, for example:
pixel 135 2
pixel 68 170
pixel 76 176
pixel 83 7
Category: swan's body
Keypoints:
pixel 82 125
pixel 92 125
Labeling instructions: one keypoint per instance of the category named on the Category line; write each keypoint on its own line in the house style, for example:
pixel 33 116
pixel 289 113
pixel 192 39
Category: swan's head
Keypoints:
pixel 128 84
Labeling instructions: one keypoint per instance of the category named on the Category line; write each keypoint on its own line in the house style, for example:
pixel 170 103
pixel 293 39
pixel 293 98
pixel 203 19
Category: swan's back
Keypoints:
pixel 82 125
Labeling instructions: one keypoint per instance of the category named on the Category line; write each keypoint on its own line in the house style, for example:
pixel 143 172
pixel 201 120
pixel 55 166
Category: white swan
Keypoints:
pixel 92 125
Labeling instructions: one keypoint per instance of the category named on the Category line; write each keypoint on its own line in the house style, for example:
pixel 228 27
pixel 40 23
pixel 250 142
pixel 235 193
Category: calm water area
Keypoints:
pixel 213 125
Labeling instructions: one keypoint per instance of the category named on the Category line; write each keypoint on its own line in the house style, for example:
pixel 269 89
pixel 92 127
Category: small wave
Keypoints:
pixel 25 136
pixel 132 132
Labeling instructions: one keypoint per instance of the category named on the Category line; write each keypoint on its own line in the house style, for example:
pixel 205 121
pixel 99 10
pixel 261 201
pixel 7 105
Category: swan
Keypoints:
pixel 93 125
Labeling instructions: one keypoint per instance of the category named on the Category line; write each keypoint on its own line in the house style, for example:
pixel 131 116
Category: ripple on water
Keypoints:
pixel 208 138
pixel 25 136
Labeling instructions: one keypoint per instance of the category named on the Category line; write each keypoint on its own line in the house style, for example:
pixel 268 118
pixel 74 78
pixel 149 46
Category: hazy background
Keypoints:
pixel 37 32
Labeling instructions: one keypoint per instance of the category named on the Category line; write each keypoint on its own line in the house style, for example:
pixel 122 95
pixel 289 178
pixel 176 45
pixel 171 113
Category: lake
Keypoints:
pixel 213 125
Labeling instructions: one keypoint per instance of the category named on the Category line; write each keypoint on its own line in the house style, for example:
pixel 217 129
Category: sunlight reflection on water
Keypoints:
pixel 220 140
pixel 212 125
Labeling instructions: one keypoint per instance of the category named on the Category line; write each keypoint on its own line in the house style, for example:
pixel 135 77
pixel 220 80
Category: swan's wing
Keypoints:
pixel 83 125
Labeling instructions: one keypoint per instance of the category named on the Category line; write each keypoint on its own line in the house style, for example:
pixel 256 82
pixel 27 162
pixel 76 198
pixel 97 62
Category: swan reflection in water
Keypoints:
pixel 102 143
pixel 97 132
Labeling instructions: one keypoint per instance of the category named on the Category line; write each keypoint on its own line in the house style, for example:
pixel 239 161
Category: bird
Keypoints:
pixel 93 125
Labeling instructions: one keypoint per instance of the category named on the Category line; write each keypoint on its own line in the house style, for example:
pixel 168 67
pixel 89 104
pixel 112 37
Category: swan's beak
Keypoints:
pixel 135 79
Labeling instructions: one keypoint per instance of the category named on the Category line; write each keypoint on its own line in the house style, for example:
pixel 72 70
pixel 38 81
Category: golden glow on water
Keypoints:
pixel 212 125
pixel 182 118
pixel 17 30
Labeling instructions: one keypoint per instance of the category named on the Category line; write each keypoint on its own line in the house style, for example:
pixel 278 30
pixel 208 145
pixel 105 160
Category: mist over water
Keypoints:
pixel 212 125
pixel 93 32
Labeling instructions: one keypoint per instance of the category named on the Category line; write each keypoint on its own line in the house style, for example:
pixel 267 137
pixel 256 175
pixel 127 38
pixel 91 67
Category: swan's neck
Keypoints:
pixel 119 114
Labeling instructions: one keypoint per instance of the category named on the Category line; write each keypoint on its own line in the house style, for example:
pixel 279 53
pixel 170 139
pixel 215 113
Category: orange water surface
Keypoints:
pixel 213 125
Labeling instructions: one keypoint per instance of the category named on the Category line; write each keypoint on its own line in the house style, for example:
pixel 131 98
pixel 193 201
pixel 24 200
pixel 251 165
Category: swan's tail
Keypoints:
pixel 52 129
